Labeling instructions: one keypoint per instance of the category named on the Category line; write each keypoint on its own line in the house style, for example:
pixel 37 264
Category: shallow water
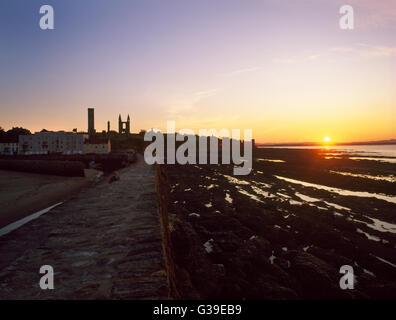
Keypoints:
pixel 307 198
pixel 366 176
pixel 369 236
pixel 390 160
pixel 17 224
pixel 385 261
pixel 271 160
pixel 246 193
pixel 388 150
pixel 379 225
pixel 342 192
pixel 235 180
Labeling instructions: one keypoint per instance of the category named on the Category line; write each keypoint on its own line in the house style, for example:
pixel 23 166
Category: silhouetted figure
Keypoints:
pixel 114 177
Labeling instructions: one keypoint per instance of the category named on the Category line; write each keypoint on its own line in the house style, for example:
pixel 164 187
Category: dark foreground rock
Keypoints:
pixel 253 238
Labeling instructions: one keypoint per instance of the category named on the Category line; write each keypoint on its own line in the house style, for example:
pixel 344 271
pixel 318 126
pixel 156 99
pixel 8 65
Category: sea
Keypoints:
pixel 385 153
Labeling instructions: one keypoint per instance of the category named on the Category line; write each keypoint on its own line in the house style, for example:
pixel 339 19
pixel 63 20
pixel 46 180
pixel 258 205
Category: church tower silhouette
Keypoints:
pixel 124 127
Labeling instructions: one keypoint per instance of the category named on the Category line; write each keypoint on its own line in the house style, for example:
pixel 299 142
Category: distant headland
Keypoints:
pixel 309 144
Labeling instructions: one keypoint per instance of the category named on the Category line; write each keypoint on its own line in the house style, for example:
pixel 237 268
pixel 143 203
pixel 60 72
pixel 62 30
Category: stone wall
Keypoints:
pixel 66 165
pixel 190 273
pixel 60 168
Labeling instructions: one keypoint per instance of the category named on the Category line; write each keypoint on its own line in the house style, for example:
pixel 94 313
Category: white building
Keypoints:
pixel 97 147
pixel 8 148
pixel 52 142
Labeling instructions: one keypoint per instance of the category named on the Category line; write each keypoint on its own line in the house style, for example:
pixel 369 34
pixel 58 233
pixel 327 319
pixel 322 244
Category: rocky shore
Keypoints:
pixel 264 237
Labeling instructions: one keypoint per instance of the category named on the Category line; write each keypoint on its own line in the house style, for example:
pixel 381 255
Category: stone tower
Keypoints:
pixel 91 121
pixel 124 126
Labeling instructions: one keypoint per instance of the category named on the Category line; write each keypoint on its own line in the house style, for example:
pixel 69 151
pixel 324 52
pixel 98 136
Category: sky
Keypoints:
pixel 282 68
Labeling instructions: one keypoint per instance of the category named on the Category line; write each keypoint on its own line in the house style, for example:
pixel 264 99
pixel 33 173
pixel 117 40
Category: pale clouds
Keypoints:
pixel 187 104
pixel 200 95
pixel 367 51
pixel 243 70
pixel 359 50
pixel 286 60
pixel 300 59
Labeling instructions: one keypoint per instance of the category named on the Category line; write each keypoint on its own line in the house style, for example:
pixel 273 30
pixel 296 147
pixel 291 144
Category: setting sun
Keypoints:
pixel 326 139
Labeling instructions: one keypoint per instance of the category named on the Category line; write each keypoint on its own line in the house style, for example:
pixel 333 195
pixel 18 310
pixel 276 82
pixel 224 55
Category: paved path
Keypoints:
pixel 105 243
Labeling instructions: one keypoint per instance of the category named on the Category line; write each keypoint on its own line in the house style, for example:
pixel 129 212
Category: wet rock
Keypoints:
pixel 317 279
pixel 248 236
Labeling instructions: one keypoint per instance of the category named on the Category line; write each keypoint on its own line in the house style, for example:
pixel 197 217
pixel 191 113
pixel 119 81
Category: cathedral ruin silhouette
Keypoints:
pixel 124 127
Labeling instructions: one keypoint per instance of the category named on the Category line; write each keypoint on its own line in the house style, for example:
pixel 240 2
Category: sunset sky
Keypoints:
pixel 282 68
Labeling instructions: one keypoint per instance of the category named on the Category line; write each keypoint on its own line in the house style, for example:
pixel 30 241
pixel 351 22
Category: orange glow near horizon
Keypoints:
pixel 284 74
